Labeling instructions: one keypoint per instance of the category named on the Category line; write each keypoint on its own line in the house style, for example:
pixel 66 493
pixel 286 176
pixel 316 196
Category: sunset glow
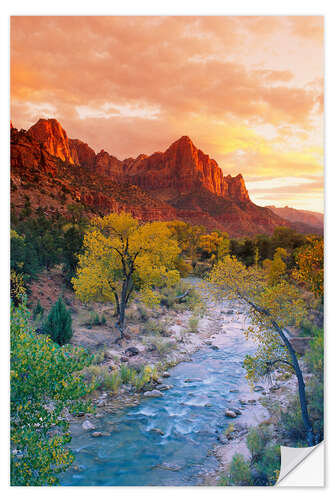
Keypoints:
pixel 247 90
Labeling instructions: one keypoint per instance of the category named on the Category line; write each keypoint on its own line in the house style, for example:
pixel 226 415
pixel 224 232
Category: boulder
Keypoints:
pixel 258 388
pixel 132 351
pixel 88 426
pixel 230 414
pixel 164 387
pixel 153 394
pixel 96 434
pixel 235 410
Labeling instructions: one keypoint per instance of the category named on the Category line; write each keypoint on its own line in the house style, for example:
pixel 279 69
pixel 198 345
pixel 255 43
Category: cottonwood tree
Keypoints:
pixel 272 308
pixel 310 265
pixel 120 257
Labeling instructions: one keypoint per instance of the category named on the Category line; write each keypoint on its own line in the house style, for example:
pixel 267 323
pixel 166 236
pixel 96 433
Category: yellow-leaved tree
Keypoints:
pixel 273 307
pixel 121 256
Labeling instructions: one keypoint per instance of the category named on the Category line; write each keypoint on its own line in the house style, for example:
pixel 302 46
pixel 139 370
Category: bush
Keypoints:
pixel 143 313
pixel 38 311
pixel 127 374
pixel 17 288
pixel 239 471
pixel 153 327
pixel 193 323
pixel 268 467
pixel 314 357
pixel 256 441
pixel 42 372
pixel 59 323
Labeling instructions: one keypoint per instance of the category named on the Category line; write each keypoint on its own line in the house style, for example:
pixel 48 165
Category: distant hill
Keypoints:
pixel 307 217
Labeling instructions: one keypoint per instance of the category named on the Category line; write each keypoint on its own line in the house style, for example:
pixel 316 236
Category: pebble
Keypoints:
pixel 166 375
pixel 96 434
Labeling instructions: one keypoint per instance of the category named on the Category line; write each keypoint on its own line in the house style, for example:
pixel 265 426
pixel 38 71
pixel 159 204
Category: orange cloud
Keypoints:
pixel 135 84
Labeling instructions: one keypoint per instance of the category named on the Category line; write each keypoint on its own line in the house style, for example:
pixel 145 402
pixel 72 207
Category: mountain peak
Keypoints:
pixel 185 140
pixel 50 133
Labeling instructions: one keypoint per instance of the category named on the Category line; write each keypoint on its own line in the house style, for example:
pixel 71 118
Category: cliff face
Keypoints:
pixel 82 154
pixel 180 183
pixel 53 137
pixel 180 170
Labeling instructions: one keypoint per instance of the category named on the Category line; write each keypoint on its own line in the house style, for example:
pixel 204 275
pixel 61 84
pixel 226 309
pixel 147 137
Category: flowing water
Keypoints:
pixel 166 440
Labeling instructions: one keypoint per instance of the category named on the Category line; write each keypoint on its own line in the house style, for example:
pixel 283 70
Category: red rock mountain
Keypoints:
pixel 53 137
pixel 184 183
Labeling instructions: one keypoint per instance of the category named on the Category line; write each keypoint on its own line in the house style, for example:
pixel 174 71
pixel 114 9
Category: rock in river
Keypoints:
pixel 230 414
pixel 153 394
pixel 88 426
pixel 157 430
pixel 97 434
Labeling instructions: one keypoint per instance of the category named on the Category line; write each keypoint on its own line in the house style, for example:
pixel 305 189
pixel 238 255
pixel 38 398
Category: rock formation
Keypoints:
pixel 183 183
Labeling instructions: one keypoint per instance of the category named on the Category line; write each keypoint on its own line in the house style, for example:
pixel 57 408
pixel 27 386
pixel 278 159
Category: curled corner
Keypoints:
pixel 291 458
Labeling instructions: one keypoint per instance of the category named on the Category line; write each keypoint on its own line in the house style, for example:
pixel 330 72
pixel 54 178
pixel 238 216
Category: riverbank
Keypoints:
pixel 219 332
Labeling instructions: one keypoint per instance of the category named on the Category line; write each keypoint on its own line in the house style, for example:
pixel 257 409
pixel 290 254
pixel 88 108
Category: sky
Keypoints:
pixel 247 90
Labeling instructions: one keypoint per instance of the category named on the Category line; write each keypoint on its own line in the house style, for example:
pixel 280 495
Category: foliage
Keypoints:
pixel 58 324
pixel 17 288
pixel 264 466
pixel 187 237
pixel 256 441
pixel 215 246
pixel 276 268
pixel 310 265
pixel 39 241
pixel 38 311
pixel 314 356
pixel 240 472
pixel 273 308
pixel 193 323
pixel 45 380
pixel 121 257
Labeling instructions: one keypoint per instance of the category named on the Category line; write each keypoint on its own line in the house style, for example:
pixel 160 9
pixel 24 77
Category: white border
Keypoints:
pixel 144 7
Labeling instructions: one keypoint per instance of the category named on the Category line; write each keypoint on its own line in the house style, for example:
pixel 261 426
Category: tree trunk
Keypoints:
pixel 301 387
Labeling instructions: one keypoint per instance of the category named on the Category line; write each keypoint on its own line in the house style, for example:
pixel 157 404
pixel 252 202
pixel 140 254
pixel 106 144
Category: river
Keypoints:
pixel 167 440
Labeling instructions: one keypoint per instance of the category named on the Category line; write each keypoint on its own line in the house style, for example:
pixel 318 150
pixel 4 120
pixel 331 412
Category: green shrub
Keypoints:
pixel 143 313
pixel 239 471
pixel 314 357
pixel 42 372
pixel 112 381
pixel 153 327
pixel 38 311
pixel 103 320
pixel 256 441
pixel 59 323
pixel 268 467
pixel 193 323
pixel 127 374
